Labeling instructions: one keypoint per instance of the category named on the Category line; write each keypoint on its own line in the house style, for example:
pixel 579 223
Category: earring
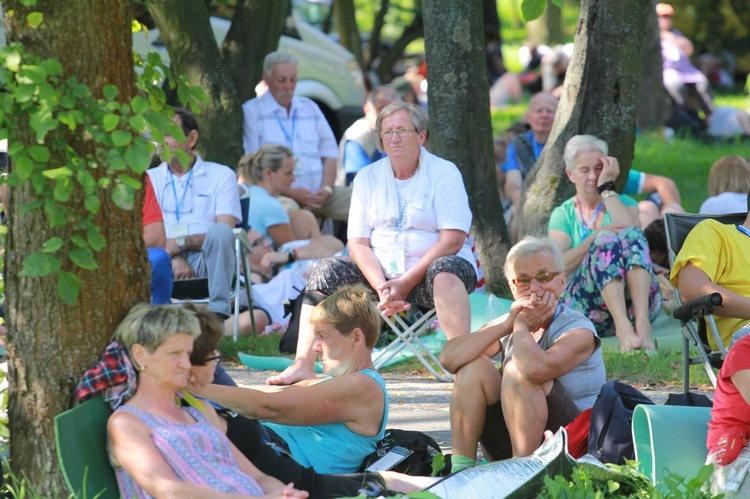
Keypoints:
pixel 141 368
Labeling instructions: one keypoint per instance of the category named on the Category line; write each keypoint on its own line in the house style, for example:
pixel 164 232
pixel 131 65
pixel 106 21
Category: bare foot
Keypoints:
pixel 643 330
pixel 292 374
pixel 628 338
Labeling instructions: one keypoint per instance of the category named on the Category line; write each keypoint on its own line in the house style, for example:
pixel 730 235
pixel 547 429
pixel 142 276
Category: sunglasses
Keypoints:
pixel 216 358
pixel 525 281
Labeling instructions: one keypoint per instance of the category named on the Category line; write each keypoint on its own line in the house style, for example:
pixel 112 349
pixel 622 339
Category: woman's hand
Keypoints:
pixel 536 310
pixel 288 491
pixel 393 295
pixel 273 258
pixel 610 170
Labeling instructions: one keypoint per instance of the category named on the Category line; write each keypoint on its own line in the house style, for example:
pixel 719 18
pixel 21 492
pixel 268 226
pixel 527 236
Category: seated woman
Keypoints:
pixel 355 411
pixel 296 236
pixel 552 366
pixel 408 226
pixel 158 448
pixel 254 442
pixel 605 252
pixel 729 427
pixel 728 185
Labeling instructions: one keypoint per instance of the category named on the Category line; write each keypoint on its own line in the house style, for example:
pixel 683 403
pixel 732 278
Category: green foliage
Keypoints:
pixel 109 160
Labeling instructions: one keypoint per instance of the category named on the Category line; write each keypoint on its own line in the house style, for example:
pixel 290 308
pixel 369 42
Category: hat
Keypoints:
pixel 664 9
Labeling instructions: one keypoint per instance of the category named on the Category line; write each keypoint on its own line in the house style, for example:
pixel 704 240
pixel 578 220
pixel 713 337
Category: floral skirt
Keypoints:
pixel 610 256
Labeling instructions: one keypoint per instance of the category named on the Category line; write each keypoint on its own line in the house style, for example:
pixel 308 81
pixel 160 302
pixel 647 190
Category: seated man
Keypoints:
pixel 358 147
pixel 552 366
pixel 729 427
pixel 201 205
pixel 714 259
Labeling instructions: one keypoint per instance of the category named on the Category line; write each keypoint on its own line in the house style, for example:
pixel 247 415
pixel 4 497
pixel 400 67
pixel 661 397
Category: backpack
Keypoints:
pixel 610 434
pixel 423 449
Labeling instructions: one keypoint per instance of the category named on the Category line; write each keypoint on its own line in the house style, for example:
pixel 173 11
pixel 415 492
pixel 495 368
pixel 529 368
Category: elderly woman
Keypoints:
pixel 253 440
pixel 297 236
pixel 607 256
pixel 408 226
pixel 157 447
pixel 551 370
pixel 355 408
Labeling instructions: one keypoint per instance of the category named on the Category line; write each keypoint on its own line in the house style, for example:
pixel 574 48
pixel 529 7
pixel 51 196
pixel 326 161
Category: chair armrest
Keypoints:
pixel 700 307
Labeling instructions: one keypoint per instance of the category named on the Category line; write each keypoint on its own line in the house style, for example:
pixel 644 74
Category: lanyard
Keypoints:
pixel 178 204
pixel 586 227
pixel 401 223
pixel 289 137
pixel 557 313
pixel 743 229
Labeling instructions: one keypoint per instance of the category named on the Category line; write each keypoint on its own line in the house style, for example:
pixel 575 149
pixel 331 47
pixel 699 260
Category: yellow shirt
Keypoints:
pixel 723 253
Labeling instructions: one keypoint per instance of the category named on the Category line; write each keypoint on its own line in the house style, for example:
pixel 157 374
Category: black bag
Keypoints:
pixel 418 463
pixel 610 434
pixel 689 399
pixel 288 341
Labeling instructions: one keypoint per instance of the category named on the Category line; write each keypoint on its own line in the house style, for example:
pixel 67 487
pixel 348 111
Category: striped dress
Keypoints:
pixel 197 453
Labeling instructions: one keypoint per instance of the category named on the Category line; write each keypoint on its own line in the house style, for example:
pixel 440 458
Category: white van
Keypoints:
pixel 328 73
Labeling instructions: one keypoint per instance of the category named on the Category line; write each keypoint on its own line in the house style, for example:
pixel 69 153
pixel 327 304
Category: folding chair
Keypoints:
pixel 695 315
pixel 196 290
pixel 81 440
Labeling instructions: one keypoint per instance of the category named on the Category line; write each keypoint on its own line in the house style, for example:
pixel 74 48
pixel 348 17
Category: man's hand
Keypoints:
pixel 304 198
pixel 610 170
pixel 172 248
pixel 181 268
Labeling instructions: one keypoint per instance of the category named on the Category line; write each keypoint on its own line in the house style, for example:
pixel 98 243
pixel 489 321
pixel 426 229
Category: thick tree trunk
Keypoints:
pixel 346 25
pixel 599 98
pixel 187 35
pixel 461 130
pixel 255 31
pixel 654 106
pixel 50 344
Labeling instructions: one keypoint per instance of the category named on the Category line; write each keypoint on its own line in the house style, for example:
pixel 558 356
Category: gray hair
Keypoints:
pixel 418 118
pixel 579 144
pixel 150 326
pixel 269 156
pixel 531 245
pixel 275 58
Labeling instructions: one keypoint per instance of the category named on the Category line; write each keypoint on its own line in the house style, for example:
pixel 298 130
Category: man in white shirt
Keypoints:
pixel 280 117
pixel 201 205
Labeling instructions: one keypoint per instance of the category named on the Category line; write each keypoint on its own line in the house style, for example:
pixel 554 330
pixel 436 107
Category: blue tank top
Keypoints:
pixel 332 448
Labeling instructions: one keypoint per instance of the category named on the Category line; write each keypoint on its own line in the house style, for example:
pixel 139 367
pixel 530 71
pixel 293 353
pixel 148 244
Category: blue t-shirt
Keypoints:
pixel 511 160
pixel 634 183
pixel 332 448
pixel 265 211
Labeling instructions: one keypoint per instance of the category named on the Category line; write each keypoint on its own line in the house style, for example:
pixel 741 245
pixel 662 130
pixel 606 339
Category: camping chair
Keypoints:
pixel 81 440
pixel 695 315
pixel 196 290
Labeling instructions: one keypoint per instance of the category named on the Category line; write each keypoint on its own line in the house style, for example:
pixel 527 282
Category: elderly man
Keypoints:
pixel 280 117
pixel 358 147
pixel 714 259
pixel 201 205
pixel 552 366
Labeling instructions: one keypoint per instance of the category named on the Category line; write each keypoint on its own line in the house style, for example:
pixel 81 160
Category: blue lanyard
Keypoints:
pixel 743 229
pixel 178 204
pixel 289 137
pixel 586 227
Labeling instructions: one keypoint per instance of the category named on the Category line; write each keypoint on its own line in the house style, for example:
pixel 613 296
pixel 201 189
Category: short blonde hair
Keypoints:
pixel 347 308
pixel 729 174
pixel 151 325
pixel 271 156
pixel 416 114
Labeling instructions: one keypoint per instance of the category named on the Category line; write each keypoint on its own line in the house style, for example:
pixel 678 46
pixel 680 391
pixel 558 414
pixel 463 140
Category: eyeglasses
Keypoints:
pixel 388 134
pixel 216 358
pixel 525 281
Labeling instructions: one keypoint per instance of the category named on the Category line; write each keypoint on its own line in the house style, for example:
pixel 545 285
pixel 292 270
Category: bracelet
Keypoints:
pixel 606 186
pixel 328 189
pixel 291 256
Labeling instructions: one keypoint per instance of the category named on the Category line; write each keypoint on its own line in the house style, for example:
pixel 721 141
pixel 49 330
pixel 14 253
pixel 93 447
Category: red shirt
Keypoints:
pixel 151 209
pixel 730 416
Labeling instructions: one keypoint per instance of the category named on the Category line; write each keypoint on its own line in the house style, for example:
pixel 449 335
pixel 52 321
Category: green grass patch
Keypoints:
pixel 262 345
pixel 663 368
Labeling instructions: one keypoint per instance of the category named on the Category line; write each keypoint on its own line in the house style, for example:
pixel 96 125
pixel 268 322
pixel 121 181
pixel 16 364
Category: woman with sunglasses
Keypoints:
pixel 552 366
pixel 606 255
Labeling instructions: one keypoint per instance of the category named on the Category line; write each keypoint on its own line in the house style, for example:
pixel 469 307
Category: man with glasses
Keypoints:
pixel 280 117
pixel 201 205
pixel 551 364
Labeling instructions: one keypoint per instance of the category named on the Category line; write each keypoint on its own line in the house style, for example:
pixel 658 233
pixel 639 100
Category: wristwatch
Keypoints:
pixel 606 194
pixel 180 242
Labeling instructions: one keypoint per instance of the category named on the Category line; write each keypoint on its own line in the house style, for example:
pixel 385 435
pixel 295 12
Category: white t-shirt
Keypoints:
pixel 446 207
pixel 304 130
pixel 209 190
pixel 726 202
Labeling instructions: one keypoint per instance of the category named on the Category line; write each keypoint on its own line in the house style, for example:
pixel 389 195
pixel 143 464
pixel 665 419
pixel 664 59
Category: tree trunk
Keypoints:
pixel 346 25
pixel 599 98
pixel 553 15
pixel 654 106
pixel 50 344
pixel 373 49
pixel 256 28
pixel 186 31
pixel 461 129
